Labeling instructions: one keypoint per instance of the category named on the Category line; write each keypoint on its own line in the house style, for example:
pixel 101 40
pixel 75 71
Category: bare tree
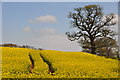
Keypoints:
pixel 91 24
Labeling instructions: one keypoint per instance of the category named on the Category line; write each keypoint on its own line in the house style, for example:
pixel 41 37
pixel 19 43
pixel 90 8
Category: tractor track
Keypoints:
pixel 51 69
pixel 32 63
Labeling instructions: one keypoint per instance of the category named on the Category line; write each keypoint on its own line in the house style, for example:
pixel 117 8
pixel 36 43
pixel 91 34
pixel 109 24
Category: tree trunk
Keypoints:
pixel 93 50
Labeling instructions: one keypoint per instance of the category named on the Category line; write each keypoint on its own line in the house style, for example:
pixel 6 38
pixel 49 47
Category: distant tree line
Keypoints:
pixel 18 46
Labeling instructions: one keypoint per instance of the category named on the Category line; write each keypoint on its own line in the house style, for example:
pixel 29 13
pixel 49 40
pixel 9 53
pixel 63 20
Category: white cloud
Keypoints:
pixel 115 19
pixel 46 18
pixel 27 29
pixel 56 42
pixel 47 31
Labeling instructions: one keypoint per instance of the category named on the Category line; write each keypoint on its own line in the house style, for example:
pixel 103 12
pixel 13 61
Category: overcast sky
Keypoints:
pixel 42 24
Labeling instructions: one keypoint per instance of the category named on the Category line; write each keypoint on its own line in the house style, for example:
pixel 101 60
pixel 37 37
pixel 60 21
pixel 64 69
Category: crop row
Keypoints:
pixel 40 69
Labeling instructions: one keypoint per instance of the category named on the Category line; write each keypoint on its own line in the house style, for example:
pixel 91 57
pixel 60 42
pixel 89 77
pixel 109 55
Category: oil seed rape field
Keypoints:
pixel 81 65
pixel 29 63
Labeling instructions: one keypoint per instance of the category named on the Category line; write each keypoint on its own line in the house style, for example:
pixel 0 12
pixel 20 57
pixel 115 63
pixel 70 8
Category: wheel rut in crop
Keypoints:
pixel 32 63
pixel 51 69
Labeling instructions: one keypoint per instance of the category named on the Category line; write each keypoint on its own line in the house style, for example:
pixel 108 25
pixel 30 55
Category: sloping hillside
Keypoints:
pixel 80 64
pixel 29 63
